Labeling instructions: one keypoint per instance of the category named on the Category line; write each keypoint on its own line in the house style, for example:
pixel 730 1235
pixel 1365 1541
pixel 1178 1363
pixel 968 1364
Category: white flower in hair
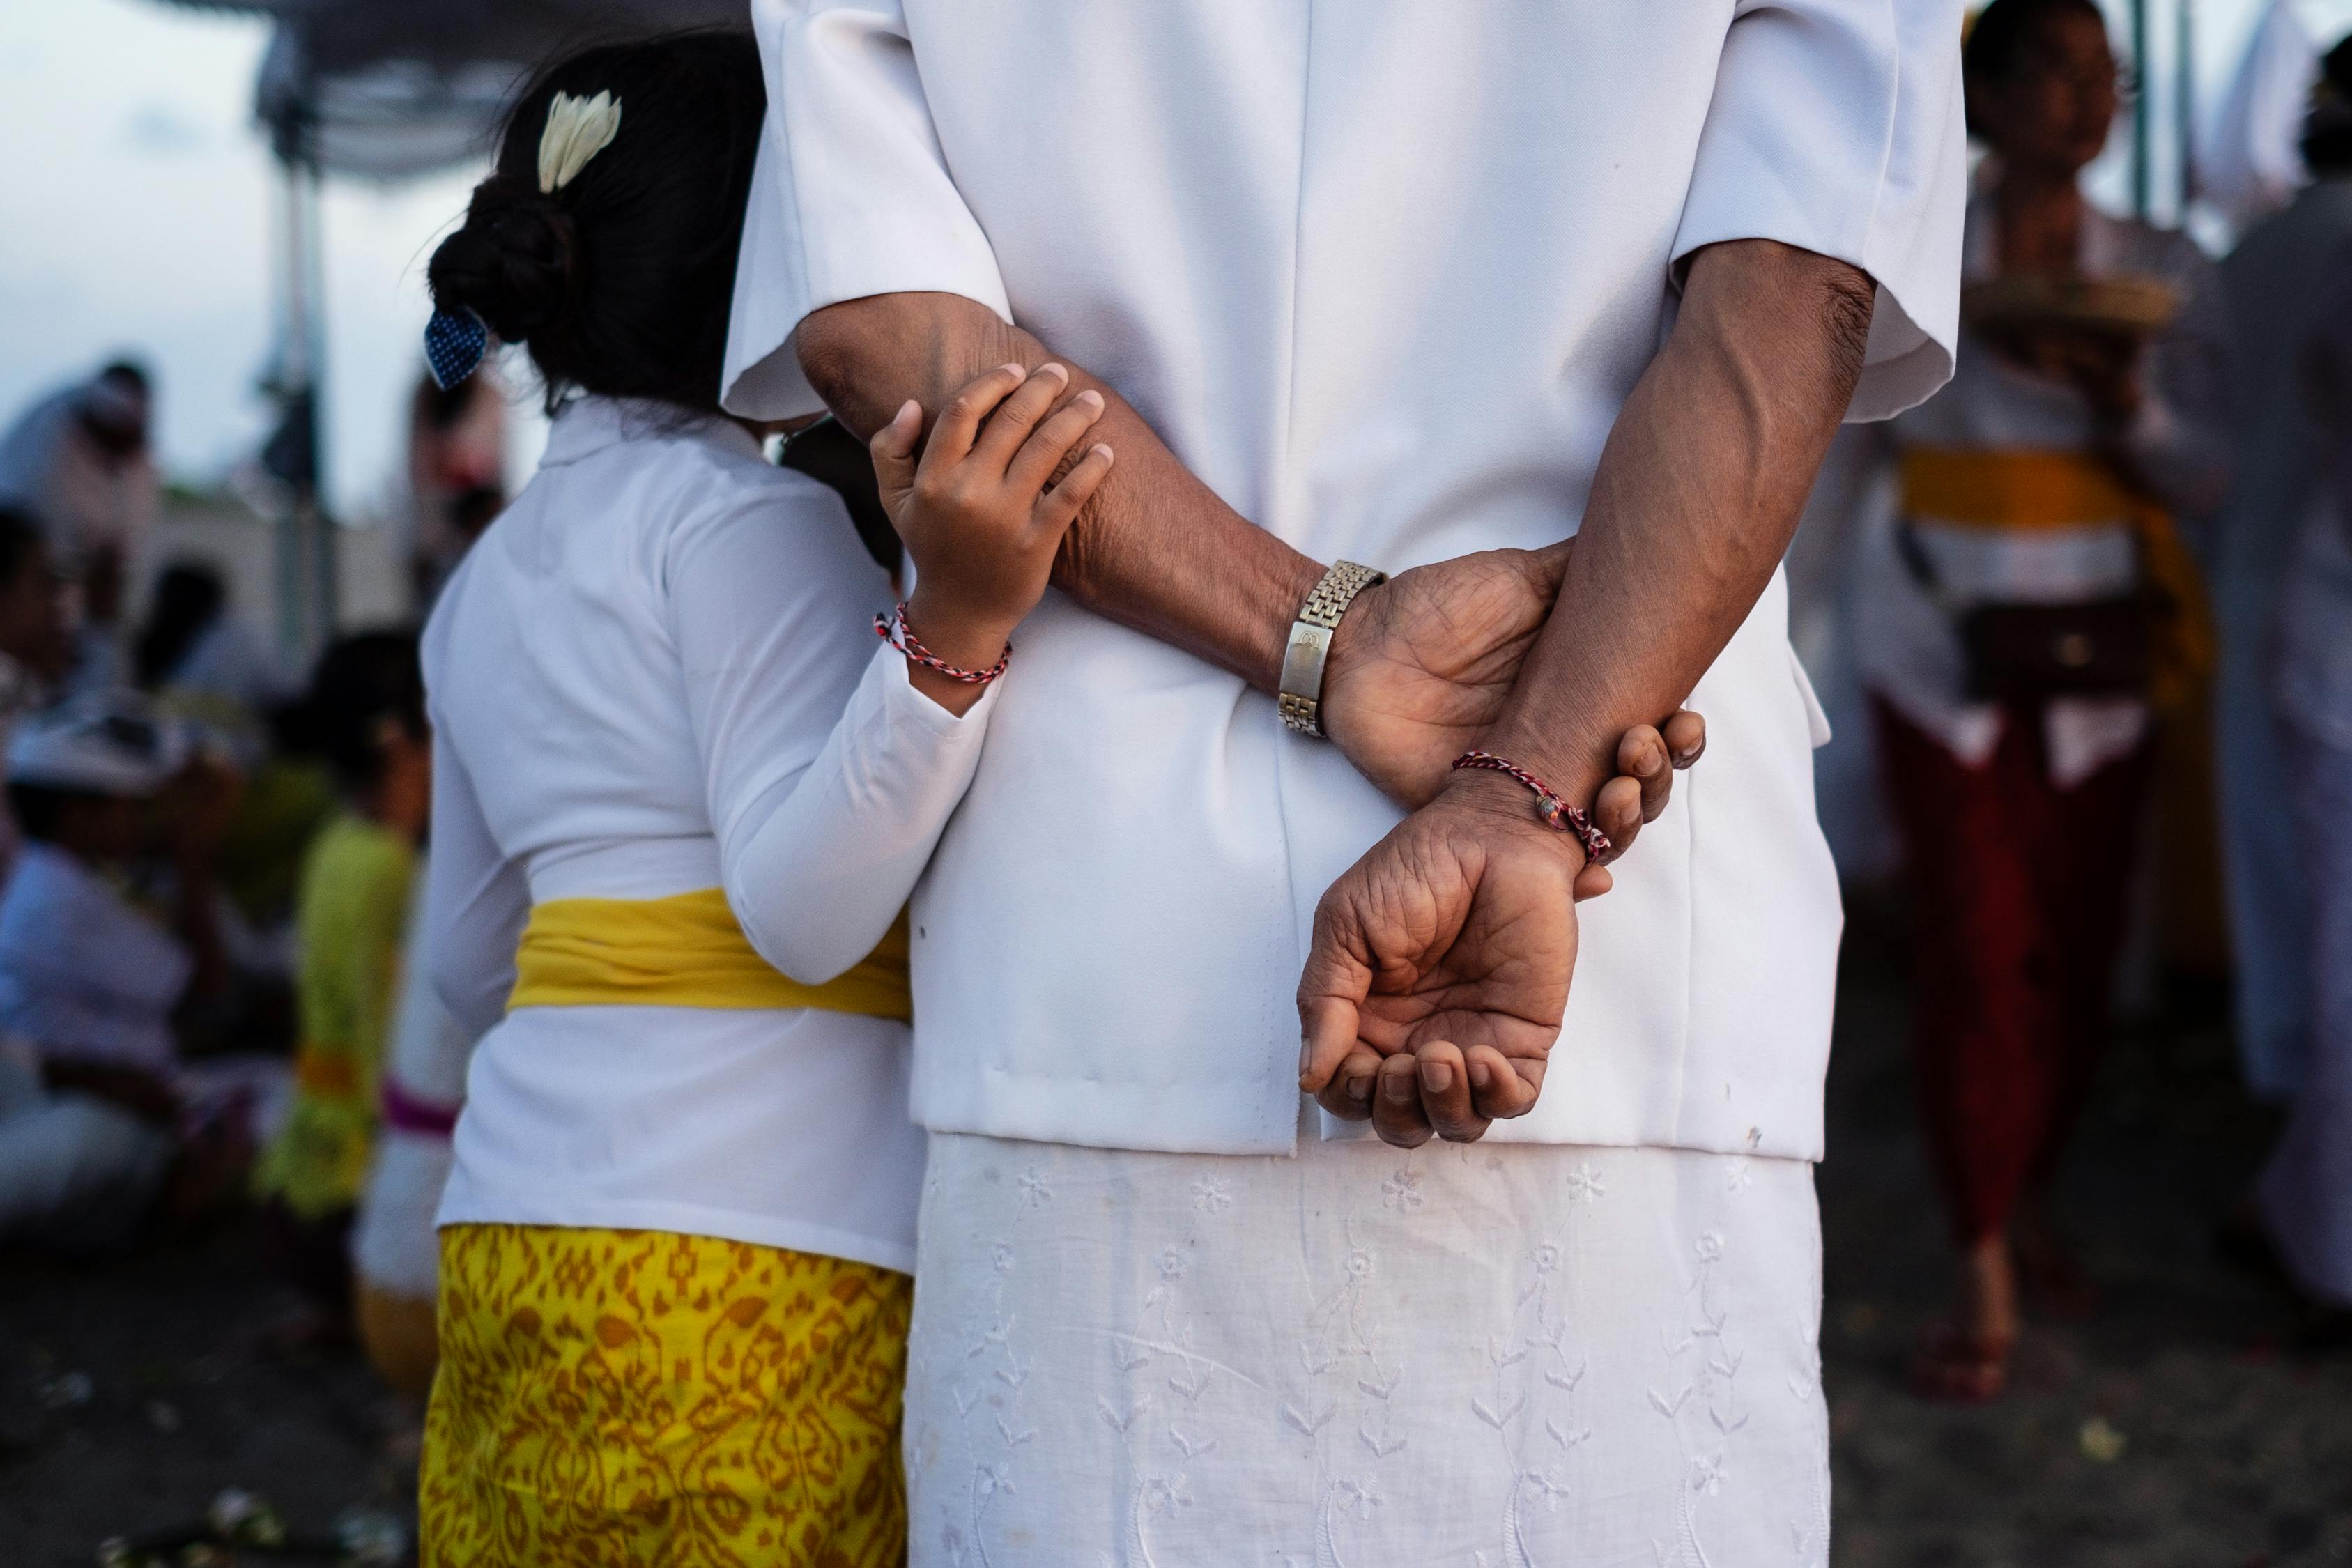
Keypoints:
pixel 577 130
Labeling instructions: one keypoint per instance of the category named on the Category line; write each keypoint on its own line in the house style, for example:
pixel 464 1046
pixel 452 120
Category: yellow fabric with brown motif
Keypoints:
pixel 2033 489
pixel 685 950
pixel 610 1397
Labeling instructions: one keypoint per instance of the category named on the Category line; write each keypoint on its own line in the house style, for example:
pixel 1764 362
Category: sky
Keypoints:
pixel 136 211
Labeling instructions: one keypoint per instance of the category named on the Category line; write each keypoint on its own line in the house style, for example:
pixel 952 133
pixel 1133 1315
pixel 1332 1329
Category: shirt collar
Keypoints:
pixel 587 424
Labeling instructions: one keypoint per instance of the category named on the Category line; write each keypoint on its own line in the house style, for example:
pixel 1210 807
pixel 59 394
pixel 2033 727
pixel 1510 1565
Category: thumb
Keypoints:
pixel 1332 988
pixel 893 450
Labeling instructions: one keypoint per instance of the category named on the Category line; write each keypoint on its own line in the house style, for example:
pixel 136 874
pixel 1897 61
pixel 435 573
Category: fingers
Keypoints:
pixel 1686 737
pixel 1642 757
pixel 1348 1094
pixel 1033 465
pixel 1396 1115
pixel 1017 416
pixel 958 424
pixel 1059 507
pixel 1591 883
pixel 1501 1088
pixel 1445 1092
pixel 893 450
pixel 1617 812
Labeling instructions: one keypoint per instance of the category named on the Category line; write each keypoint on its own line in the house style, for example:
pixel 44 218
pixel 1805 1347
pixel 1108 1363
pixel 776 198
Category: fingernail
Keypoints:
pixel 1398 1087
pixel 1106 451
pixel 1438 1076
pixel 1306 1055
pixel 1479 1075
pixel 1051 369
pixel 1360 1089
pixel 1090 397
pixel 1016 368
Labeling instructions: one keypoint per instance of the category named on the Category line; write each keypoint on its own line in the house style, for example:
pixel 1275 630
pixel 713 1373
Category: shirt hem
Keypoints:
pixel 676 1219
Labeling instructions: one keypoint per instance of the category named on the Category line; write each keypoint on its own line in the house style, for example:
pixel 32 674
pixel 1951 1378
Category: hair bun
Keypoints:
pixel 511 262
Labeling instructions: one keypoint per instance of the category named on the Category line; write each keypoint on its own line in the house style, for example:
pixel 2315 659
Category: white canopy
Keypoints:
pixel 389 90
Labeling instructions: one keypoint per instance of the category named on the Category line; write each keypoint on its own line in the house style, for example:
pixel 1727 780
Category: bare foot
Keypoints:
pixel 1966 1360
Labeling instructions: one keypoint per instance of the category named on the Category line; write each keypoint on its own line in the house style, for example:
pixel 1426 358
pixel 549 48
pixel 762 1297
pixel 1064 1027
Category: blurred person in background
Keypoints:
pixel 80 460
pixel 456 455
pixel 2302 1201
pixel 95 1109
pixel 2278 291
pixel 204 661
pixel 367 698
pixel 36 638
pixel 2015 625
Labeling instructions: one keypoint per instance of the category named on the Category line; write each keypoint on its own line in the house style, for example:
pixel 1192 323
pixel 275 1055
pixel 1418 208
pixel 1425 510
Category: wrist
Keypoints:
pixel 1502 800
pixel 962 634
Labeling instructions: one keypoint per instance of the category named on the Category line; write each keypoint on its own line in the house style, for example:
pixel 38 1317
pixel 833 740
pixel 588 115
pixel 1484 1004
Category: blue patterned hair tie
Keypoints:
pixel 454 341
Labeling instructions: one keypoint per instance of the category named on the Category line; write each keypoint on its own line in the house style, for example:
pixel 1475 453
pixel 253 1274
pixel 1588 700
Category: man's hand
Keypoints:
pixel 1440 968
pixel 1422 664
pixel 1455 936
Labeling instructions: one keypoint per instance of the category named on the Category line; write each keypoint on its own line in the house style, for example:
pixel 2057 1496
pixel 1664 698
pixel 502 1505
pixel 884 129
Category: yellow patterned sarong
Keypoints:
pixel 638 1399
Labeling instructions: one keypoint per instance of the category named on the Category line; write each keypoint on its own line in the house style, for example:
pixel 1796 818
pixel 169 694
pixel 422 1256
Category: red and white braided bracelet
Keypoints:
pixel 893 629
pixel 1550 810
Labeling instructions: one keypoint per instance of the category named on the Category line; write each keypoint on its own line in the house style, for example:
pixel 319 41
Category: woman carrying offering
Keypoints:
pixel 2023 626
pixel 680 798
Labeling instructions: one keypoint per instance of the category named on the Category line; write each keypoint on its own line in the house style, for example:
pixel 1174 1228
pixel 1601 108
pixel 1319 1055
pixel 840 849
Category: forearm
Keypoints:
pixel 1697 493
pixel 1155 549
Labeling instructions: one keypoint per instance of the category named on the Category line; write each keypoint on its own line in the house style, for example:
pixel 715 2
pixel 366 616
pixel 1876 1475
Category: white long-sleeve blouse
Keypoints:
pixel 655 674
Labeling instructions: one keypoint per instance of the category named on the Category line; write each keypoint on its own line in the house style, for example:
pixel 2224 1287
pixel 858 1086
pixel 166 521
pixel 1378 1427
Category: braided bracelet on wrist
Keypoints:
pixel 893 629
pixel 1550 810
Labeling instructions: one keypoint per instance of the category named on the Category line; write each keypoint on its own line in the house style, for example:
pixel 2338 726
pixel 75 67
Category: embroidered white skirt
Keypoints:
pixel 1498 1356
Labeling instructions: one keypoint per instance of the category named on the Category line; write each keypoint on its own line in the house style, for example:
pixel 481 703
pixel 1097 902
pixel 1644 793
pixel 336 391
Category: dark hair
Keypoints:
pixel 2328 132
pixel 1999 33
pixel 21 537
pixel 620 282
pixel 129 370
pixel 362 681
pixel 189 598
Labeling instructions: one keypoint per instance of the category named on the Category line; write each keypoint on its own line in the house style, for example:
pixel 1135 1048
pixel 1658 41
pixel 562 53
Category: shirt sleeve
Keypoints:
pixel 476 900
pixel 1836 127
pixel 850 197
pixel 830 778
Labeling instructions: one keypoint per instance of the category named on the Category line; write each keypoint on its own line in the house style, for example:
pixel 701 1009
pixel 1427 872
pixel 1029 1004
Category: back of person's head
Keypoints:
pixel 619 282
pixel 103 746
pixel 364 685
pixel 189 598
pixel 2328 132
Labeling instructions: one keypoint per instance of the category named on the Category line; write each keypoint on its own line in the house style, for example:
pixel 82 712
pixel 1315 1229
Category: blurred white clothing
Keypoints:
pixel 2277 282
pixel 77 1175
pixel 82 972
pixel 393 1245
pixel 84 495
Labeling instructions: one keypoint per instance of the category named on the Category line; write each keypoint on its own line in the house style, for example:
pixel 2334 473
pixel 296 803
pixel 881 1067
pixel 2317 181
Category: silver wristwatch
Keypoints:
pixel 1301 699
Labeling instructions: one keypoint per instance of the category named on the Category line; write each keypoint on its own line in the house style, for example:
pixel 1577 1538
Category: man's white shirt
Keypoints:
pixel 1381 274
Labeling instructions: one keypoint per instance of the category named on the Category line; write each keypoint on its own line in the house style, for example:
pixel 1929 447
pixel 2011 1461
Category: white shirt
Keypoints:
pixel 655 673
pixel 1381 273
pixel 82 972
pixel 1906 648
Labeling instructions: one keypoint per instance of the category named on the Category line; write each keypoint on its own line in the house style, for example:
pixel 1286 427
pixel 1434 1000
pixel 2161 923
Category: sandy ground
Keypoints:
pixel 2169 1429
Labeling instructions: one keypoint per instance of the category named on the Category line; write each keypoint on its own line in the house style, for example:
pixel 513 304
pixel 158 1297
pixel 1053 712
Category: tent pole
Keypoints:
pixel 2140 127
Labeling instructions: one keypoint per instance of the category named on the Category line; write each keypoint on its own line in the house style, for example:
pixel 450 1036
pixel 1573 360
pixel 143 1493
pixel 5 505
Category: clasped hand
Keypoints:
pixel 1439 971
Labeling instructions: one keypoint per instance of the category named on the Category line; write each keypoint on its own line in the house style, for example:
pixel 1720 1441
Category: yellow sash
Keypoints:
pixel 685 952
pixel 2024 490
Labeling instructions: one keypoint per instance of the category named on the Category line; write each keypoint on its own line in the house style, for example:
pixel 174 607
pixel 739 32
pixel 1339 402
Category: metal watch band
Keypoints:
pixel 1301 698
